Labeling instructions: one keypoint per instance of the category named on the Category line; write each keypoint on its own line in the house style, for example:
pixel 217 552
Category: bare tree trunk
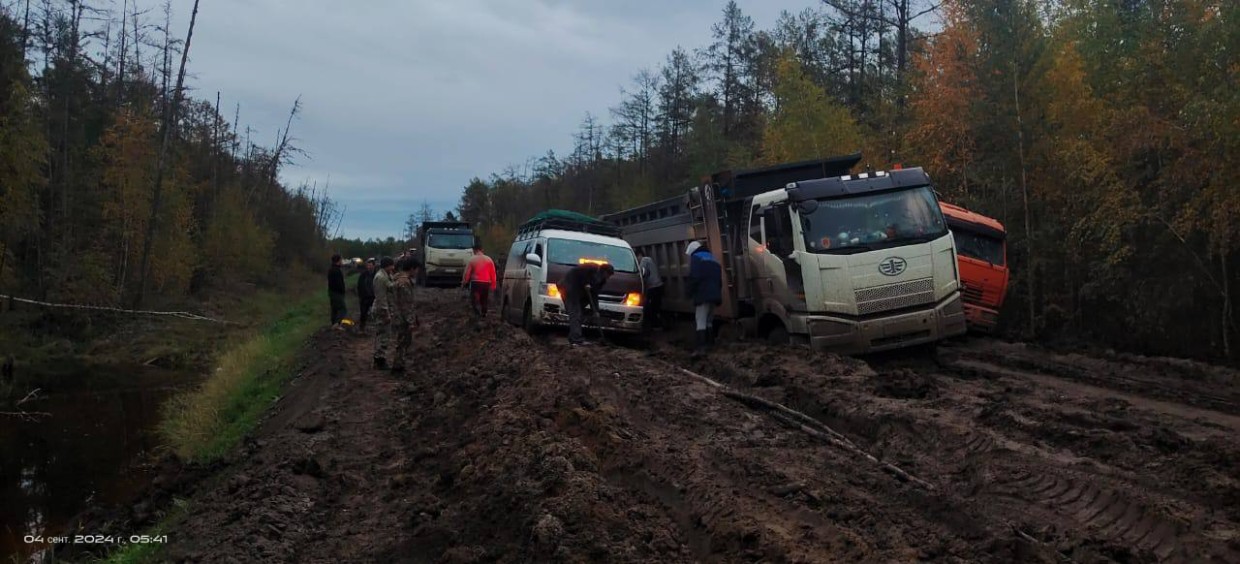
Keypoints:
pixel 1226 309
pixel 25 30
pixel 120 66
pixel 215 155
pixel 137 39
pixel 170 117
pixel 1024 190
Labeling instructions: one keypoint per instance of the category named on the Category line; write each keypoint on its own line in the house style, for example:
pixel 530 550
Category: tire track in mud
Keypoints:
pixel 1105 512
pixel 1125 376
pixel 987 464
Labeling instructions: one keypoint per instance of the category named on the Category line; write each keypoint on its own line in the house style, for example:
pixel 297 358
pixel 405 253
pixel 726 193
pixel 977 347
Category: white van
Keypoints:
pixel 550 244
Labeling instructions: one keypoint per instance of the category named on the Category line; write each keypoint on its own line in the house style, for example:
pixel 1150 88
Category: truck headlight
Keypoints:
pixel 549 290
pixel 634 299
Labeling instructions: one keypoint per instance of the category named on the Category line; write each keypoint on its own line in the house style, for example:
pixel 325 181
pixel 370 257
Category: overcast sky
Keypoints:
pixel 406 100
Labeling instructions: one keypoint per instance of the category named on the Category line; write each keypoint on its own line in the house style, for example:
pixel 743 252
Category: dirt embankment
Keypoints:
pixel 499 447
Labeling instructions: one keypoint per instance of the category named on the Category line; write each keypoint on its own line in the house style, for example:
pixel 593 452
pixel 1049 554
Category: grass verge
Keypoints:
pixel 140 553
pixel 203 425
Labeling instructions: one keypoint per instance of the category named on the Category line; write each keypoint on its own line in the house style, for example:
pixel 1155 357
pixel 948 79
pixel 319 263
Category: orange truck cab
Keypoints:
pixel 981 249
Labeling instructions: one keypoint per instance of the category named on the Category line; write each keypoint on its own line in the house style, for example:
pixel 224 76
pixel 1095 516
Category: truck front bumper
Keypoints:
pixel 852 336
pixel 440 274
pixel 981 319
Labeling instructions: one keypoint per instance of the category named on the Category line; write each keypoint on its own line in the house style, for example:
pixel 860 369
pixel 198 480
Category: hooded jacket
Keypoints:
pixel 705 282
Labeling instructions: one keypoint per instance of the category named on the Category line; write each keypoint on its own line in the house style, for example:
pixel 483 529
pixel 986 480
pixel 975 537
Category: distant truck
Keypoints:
pixel 445 248
pixel 981 250
pixel 853 263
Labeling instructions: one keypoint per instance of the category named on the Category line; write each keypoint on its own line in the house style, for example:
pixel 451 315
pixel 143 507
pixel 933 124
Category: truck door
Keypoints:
pixel 759 266
pixel 786 283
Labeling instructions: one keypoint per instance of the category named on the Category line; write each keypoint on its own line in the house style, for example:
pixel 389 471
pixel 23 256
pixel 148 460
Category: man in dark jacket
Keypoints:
pixel 336 291
pixel 580 287
pixel 366 292
pixel 705 288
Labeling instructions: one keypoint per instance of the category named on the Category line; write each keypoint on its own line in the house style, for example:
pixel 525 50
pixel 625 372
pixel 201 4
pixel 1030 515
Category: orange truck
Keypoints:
pixel 982 257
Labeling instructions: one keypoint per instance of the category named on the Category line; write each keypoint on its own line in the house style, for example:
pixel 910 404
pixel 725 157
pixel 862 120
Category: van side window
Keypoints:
pixel 515 258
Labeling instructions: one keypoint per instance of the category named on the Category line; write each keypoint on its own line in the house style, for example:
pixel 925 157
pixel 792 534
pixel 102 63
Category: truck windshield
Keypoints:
pixel 873 221
pixel 570 252
pixel 450 240
pixel 977 246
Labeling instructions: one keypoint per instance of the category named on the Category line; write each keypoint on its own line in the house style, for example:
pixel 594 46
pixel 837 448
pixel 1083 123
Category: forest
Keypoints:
pixel 116 187
pixel 1102 133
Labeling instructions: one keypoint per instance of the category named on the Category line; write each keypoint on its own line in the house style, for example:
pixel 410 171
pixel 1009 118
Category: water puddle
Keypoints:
pixel 92 449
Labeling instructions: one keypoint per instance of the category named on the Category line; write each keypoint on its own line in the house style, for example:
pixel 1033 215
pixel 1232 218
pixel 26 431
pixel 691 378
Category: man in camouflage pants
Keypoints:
pixel 380 312
pixel 402 314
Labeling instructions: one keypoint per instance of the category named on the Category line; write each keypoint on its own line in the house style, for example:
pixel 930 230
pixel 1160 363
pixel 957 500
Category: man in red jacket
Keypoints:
pixel 479 277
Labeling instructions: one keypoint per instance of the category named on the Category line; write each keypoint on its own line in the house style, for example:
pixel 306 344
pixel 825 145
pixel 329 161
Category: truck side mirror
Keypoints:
pixel 533 259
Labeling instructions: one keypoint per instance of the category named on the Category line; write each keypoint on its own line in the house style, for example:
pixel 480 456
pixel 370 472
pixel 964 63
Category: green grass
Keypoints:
pixel 203 425
pixel 147 552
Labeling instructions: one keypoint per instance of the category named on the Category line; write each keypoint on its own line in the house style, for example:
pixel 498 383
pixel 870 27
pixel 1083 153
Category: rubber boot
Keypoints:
pixel 700 342
pixel 710 338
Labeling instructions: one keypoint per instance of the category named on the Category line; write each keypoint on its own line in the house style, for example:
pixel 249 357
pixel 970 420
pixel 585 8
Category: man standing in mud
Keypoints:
pixel 366 292
pixel 381 310
pixel 403 317
pixel 652 305
pixel 479 279
pixel 336 291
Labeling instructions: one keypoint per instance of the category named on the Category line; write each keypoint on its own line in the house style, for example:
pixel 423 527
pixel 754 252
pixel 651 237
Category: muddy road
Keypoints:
pixel 501 447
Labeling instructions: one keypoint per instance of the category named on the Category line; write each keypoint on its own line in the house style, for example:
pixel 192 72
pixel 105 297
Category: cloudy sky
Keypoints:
pixel 406 100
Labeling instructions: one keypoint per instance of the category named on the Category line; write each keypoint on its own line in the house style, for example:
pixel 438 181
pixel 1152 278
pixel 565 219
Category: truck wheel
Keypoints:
pixel 777 335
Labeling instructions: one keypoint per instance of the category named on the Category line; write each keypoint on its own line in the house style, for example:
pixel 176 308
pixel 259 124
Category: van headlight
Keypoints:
pixel 633 299
pixel 549 290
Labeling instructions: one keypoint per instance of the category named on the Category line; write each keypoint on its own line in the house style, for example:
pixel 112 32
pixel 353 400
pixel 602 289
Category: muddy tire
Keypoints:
pixel 778 335
pixel 527 319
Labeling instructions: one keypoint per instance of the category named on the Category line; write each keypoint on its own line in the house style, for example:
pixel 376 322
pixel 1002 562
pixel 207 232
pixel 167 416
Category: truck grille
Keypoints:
pixel 895 296
pixel 971 294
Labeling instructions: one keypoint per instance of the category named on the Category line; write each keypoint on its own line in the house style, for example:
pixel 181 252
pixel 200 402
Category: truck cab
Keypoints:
pixel 445 248
pixel 981 247
pixel 854 263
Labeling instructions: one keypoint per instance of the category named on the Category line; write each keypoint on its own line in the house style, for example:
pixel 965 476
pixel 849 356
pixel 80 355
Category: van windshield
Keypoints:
pixel 573 253
pixel 873 221
pixel 450 240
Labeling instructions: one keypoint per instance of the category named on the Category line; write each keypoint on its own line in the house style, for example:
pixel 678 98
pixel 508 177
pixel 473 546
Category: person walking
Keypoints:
pixel 652 306
pixel 381 311
pixel 366 292
pixel 580 287
pixel 404 318
pixel 705 288
pixel 336 291
pixel 479 278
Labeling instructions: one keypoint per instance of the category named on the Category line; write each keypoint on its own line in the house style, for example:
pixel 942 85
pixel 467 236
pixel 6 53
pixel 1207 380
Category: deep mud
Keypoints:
pixel 501 447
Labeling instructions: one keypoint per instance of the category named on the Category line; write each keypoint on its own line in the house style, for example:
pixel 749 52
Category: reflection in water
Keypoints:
pixel 89 451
